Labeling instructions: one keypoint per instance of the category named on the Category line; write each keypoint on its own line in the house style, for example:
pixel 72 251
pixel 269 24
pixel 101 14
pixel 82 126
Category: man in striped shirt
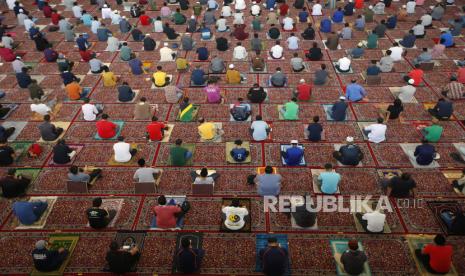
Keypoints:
pixel 454 90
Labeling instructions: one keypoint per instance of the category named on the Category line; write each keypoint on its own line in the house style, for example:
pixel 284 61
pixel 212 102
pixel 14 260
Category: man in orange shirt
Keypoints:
pixel 303 91
pixel 105 128
pixel 437 257
pixel 416 74
pixel 75 91
pixel 156 130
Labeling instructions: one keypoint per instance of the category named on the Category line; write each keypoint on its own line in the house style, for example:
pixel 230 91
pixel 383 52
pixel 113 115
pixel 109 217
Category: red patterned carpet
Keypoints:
pixel 233 253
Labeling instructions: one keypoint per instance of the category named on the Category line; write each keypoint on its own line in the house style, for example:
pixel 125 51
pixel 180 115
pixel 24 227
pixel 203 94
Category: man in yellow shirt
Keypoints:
pixel 232 75
pixel 159 77
pixel 181 64
pixel 109 79
pixel 207 130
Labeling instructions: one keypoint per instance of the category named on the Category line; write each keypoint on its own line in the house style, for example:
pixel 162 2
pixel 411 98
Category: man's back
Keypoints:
pixel 274 260
pixel 166 215
pixel 269 184
pixel 178 156
pixel 294 156
pixel 24 212
pixel 188 260
pixel 339 111
pixel 353 261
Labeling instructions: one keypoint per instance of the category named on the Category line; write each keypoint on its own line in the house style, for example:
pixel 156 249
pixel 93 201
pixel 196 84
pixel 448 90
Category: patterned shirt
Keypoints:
pixel 455 90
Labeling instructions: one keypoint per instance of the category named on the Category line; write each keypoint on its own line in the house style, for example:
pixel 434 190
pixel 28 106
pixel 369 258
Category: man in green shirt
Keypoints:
pixel 256 24
pixel 125 52
pixel 372 41
pixel 290 110
pixel 433 132
pixel 179 155
pixel 178 17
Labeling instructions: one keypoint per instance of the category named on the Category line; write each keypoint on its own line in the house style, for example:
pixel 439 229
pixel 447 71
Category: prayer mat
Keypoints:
pixel 39 117
pixel 437 207
pixel 328 108
pixel 12 108
pixel 427 106
pixel 19 126
pixel 284 147
pixel 316 187
pixel 196 243
pixel 112 204
pixel 126 237
pixel 28 173
pixel 418 242
pixel 196 108
pixel 395 91
pixel 389 173
pixel 409 149
pixel 20 149
pixel 120 125
pixel 351 71
pixel 281 117
pixel 189 147
pixel 336 148
pixel 454 175
pixel 261 170
pixel 218 136
pixel 248 222
pixel 261 242
pixel 76 148
pixel 230 159
pixel 40 224
pixel 252 71
pixel 231 118
pixel 136 92
pixel 131 162
pixel 295 226
pixel 338 247
pixel 357 207
pixel 167 133
pixel 67 241
pixel 63 125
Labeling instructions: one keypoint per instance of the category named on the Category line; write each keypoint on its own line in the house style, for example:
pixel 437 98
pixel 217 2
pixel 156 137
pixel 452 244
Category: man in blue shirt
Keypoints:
pixel 270 4
pixel 448 39
pixel 82 43
pixel 205 32
pixel 409 40
pixel 339 110
pixel 373 69
pixel 239 153
pixel 442 110
pixel 29 212
pixel 325 25
pixel 303 15
pixel 23 78
pixel 349 154
pixel 86 18
pixel 328 181
pixel 338 16
pixel 46 260
pixel 69 77
pixel 293 155
pixel 202 53
pixel 349 8
pixel 359 23
pixel 391 22
pixel 424 153
pixel 136 65
pixel 268 184
pixel 102 33
pixel 125 93
pixel 314 130
pixel 188 259
pixel 50 55
pixel 198 76
pixel 355 92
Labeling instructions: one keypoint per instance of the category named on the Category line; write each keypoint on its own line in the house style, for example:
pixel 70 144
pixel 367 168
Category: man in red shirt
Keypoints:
pixel 416 74
pixel 303 91
pixel 437 257
pixel 145 20
pixel 165 214
pixel 155 130
pixel 55 17
pixel 461 75
pixel 86 55
pixel 283 9
pixel 105 128
pixel 47 10
pixel 7 54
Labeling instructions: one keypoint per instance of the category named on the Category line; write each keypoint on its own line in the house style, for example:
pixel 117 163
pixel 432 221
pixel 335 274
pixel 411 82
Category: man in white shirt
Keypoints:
pixel 407 92
pixel 18 65
pixel 21 17
pixel 419 29
pixel 396 52
pixel 411 7
pixel 90 111
pixel 372 222
pixel 376 133
pixel 106 12
pixel 240 5
pixel 288 23
pixel 255 9
pixel 276 52
pixel 426 20
pixel 28 23
pixel 145 174
pixel 94 25
pixel 8 42
pixel 226 11
pixel 343 65
pixel 234 215
pixel 259 129
pixel 40 108
pixel 77 10
pixel 122 150
pixel 166 53
pixel 238 18
pixel 293 42
pixel 115 17
pixel 316 9
pixel 11 4
pixel 239 52
pixel 221 24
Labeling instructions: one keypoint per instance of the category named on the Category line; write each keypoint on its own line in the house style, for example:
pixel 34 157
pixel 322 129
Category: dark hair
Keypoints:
pixel 272 240
pixel 235 202
pixel 388 52
pixel 405 176
pixel 316 119
pixel 178 142
pixel 397 102
pixel 185 242
pixel 204 172
pixel 380 120
pixel 268 169
pixel 73 169
pixel 11 171
pixel 141 162
pixel 439 239
pixel 161 200
pixel 97 202
pixel 120 138
pixel 154 118
pixel 105 116
pixel 328 166
pixel 323 66
pixel 47 118
pixel 258 118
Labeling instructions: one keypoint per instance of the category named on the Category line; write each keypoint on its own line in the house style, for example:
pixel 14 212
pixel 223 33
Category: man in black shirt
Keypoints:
pixel 274 32
pixel 170 32
pixel 309 32
pixel 98 217
pixel 314 130
pixel 221 44
pixel 149 43
pixel 455 221
pixel 256 94
pixel 403 186
pixel 61 152
pixel 122 260
pixel 353 259
pixel 350 154
pixel 46 260
pixel 314 53
pixel 14 186
pixel 303 217
pixel 274 258
pixel 5 132
pixel 48 131
pixel 7 154
pixel 393 110
pixel 188 259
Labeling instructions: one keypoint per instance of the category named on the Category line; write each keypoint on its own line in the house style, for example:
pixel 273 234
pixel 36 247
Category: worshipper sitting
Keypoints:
pixel 234 216
pixel 47 260
pixel 353 259
pixel 325 25
pixel 372 221
pixel 188 259
pixel 166 53
pixel 64 64
pixel 314 54
pixel 167 214
pixel 343 65
pixel 156 130
pixel 7 54
pixel 396 52
pixel 297 63
pixel 145 174
pixel 359 24
pixel 424 57
pixel 448 39
pixel 321 75
pixel 198 76
pixel 239 52
pixel 268 184
pixel 13 185
pixel 373 69
pixel 217 65
pixel 99 217
pixel 222 44
pixel 123 151
pixel 256 94
pixel 425 153
pixel 240 111
pixel 109 79
pixel 42 109
pixel 274 258
pixel 357 52
pixel 113 43
pixel 202 53
pixel 338 111
pixel 407 92
pixel 455 221
pixel 408 41
pixel 329 180
pixel 258 63
pixel 125 52
pixel 276 52
pixel 304 216
pixel 159 78
pixel 28 212
pixel 136 65
pixel 399 186
pixel 7 153
pixel 355 92
pixel 204 176
pixel 436 257
pixel 338 16
pixel 393 111
pixel 75 92
pixel 454 90
pixel 105 128
pixel 349 154
pixel 239 153
pixel 273 32
pixel 293 155
pixel 259 129
pixel 214 94
pixel 50 55
pixel 96 65
pixel 419 30
pixel 379 8
pixel 208 131
pixel 303 91
pixel 290 110
pixel 233 76
pixel 442 110
pixel 62 153
pixel 332 43
pixel 122 259
pixel 376 133
pixel 179 155
pixel 314 130
pixel 391 22
pixel 68 77
pixel 380 29
pixel 75 174
pixel 149 43
pixel 372 41
pixel 278 79
pixel 309 32
pixel 433 132
pixel 172 93
pixel 48 131
pixel 23 78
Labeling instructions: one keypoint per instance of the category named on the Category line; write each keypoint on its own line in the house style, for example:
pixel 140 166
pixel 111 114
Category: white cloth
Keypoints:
pixel 226 11
pixel 89 112
pixel 28 24
pixel 18 65
pixel 77 11
pixel 426 20
pixel 277 51
pixel 255 9
pixel 344 63
pixel 106 13
pixel 144 175
pixel 240 52
pixel 94 25
pixel 411 7
pixel 288 23
pixel 41 108
pixel 121 150
pixel 115 18
pixel 166 54
pixel 112 44
pixel 238 18
pixel 293 43
pixel 396 53
pixel 316 9
pixel 231 212
pixel 221 25
pixel 375 221
pixel 158 26
pixel 11 4
pixel 407 92
pixel 259 130
pixel 377 133
pixel 240 5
